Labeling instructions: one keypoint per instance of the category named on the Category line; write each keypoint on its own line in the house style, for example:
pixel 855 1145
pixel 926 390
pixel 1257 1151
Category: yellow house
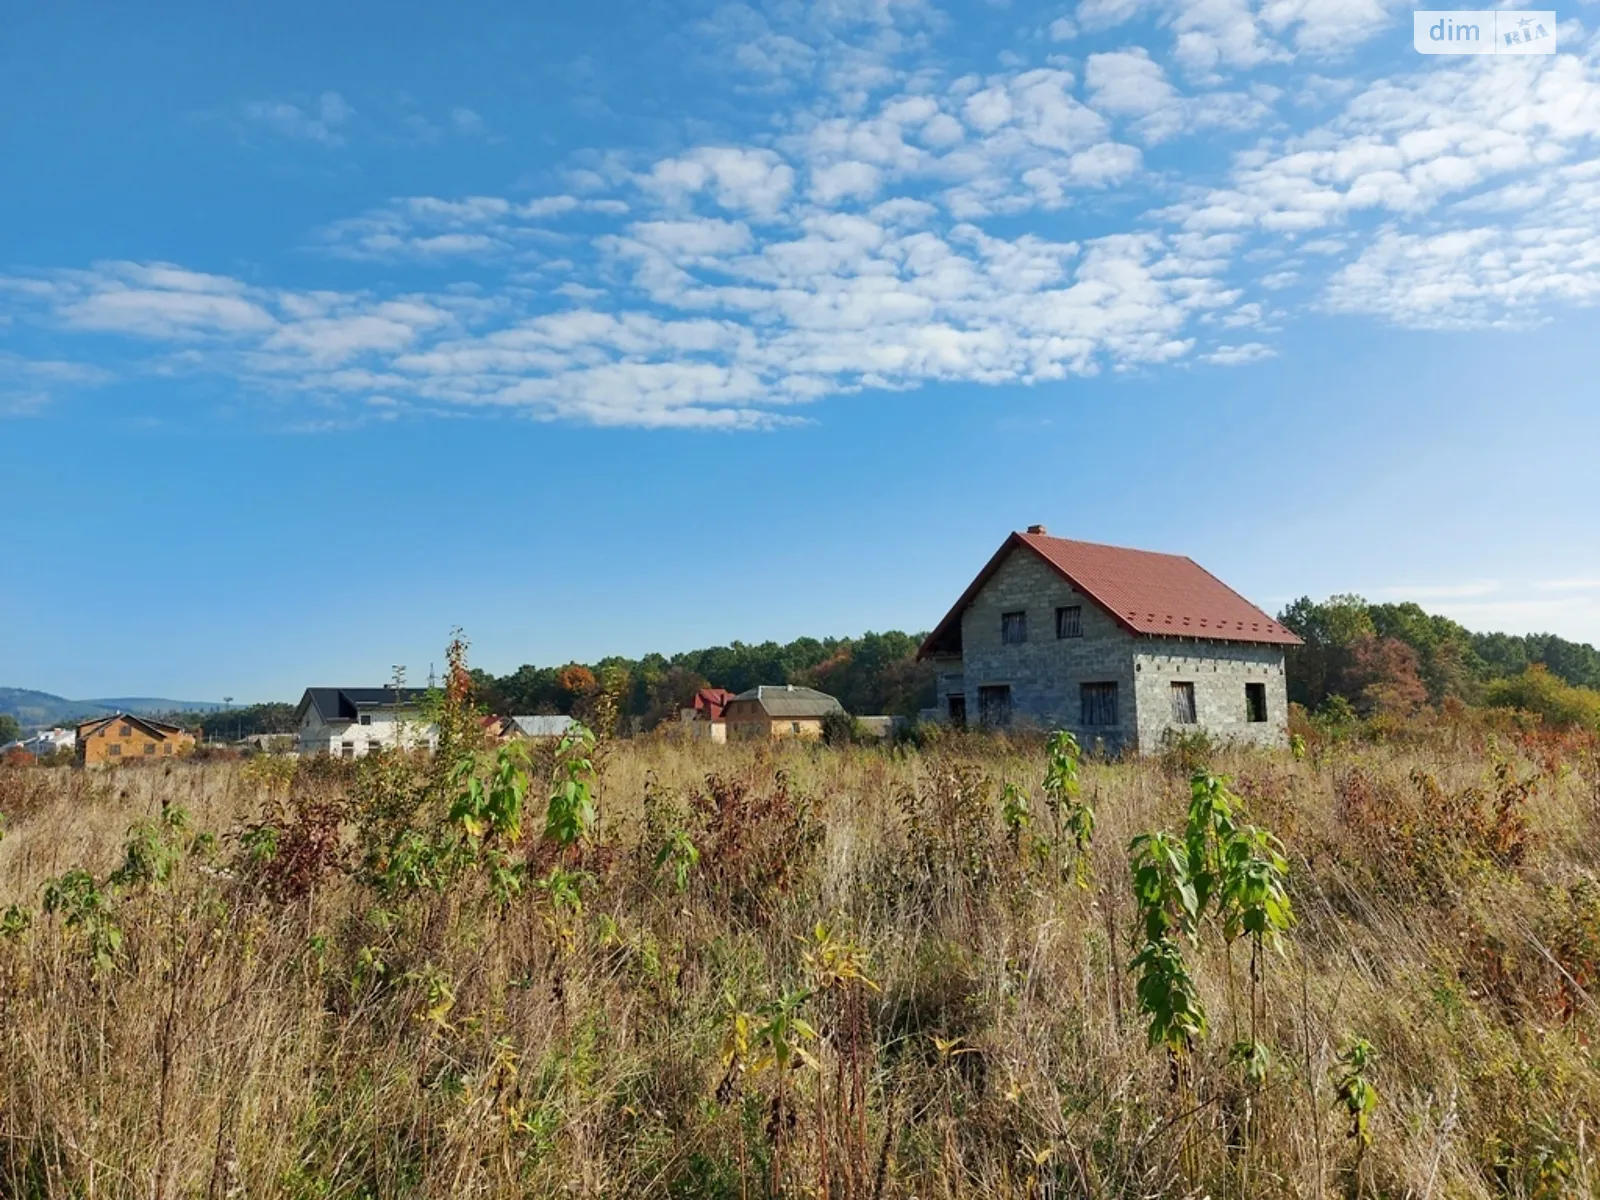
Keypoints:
pixel 127 738
pixel 778 712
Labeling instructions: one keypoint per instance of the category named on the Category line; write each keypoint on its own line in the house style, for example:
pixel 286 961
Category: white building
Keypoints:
pixel 46 741
pixel 351 722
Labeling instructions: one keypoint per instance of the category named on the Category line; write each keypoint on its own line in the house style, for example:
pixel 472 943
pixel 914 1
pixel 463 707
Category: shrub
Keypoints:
pixel 1556 702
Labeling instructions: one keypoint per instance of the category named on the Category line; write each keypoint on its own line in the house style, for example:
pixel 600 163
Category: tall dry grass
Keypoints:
pixel 290 1025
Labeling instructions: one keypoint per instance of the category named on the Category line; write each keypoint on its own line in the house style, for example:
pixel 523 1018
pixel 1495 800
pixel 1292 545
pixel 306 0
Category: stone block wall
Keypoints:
pixel 1219 672
pixel 1044 672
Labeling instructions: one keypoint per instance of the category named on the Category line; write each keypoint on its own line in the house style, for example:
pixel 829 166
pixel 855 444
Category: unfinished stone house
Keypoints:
pixel 1118 646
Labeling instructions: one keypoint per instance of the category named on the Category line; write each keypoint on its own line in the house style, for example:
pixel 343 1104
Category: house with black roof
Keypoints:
pixel 350 722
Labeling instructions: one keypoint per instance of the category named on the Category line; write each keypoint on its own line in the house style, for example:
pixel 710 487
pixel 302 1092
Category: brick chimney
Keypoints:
pixel 1039 529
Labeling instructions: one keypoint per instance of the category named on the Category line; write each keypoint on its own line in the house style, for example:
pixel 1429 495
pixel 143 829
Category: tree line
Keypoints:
pixel 1396 658
pixel 1358 657
pixel 876 673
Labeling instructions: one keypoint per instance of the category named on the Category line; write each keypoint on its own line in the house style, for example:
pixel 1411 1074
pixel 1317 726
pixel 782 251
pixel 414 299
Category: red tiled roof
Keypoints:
pixel 711 701
pixel 1148 593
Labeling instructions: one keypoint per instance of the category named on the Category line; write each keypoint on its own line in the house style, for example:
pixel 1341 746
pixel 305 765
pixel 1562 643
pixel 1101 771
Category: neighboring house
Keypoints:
pixel 351 722
pixel 705 718
pixel 1118 646
pixel 539 729
pixel 44 743
pixel 880 727
pixel 779 712
pixel 124 737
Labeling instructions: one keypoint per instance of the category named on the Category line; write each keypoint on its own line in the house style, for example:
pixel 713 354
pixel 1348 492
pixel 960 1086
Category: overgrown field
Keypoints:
pixel 657 969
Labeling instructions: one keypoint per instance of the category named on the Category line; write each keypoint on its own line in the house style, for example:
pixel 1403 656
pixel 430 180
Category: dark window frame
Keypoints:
pixel 956 706
pixel 1184 709
pixel 1014 628
pixel 364 719
pixel 1069 621
pixel 1099 704
pixel 1255 703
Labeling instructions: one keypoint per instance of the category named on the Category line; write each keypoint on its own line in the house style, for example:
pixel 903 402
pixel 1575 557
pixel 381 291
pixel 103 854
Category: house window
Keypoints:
pixel 1097 703
pixel 994 705
pixel 1183 704
pixel 126 731
pixel 1069 621
pixel 115 749
pixel 347 749
pixel 958 710
pixel 1013 628
pixel 1255 701
pixel 166 748
pixel 374 747
pixel 794 726
pixel 366 718
pixel 149 747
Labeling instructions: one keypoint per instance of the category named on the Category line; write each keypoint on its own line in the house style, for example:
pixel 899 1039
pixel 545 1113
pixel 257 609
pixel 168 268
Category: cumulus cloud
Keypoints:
pixel 903 226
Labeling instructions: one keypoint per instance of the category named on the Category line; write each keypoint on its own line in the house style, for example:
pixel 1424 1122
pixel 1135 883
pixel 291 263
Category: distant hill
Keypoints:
pixel 41 709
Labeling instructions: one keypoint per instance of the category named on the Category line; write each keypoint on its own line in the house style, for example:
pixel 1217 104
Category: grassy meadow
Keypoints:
pixel 799 970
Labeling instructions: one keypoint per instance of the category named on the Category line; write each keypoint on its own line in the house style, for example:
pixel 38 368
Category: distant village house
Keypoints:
pixel 1122 647
pixel 539 728
pixel 705 717
pixel 781 711
pixel 124 737
pixel 352 722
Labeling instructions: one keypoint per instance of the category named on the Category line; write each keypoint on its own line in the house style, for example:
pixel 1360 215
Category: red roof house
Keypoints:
pixel 1122 646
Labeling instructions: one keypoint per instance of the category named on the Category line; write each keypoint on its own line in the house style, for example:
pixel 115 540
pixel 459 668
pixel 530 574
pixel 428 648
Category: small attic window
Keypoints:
pixel 1013 628
pixel 1069 621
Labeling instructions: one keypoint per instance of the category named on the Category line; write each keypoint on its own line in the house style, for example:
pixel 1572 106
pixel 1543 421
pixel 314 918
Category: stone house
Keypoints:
pixel 351 722
pixel 124 737
pixel 1119 646
pixel 778 712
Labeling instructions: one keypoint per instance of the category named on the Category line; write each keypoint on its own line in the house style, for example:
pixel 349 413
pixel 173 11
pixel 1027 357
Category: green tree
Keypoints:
pixel 1329 630
pixel 10 728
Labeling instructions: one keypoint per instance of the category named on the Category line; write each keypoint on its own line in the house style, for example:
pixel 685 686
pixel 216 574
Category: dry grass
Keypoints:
pixel 310 1034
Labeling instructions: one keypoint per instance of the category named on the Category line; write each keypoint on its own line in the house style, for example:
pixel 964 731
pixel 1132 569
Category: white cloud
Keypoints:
pixel 318 123
pixel 1233 356
pixel 856 180
pixel 739 178
pixel 1104 14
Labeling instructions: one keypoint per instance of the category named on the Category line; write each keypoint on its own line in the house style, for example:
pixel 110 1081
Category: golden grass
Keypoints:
pixel 346 1042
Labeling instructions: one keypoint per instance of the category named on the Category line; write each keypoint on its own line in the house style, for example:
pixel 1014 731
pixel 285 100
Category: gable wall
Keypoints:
pixel 1044 672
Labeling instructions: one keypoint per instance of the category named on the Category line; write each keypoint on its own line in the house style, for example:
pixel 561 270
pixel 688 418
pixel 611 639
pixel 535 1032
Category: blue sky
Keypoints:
pixel 614 327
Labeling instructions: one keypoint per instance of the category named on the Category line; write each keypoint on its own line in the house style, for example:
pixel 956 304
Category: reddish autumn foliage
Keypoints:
pixel 577 680
pixel 1385 674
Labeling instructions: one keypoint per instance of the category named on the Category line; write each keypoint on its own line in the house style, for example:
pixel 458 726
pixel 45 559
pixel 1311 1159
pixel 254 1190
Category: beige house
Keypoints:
pixel 778 712
pixel 124 737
